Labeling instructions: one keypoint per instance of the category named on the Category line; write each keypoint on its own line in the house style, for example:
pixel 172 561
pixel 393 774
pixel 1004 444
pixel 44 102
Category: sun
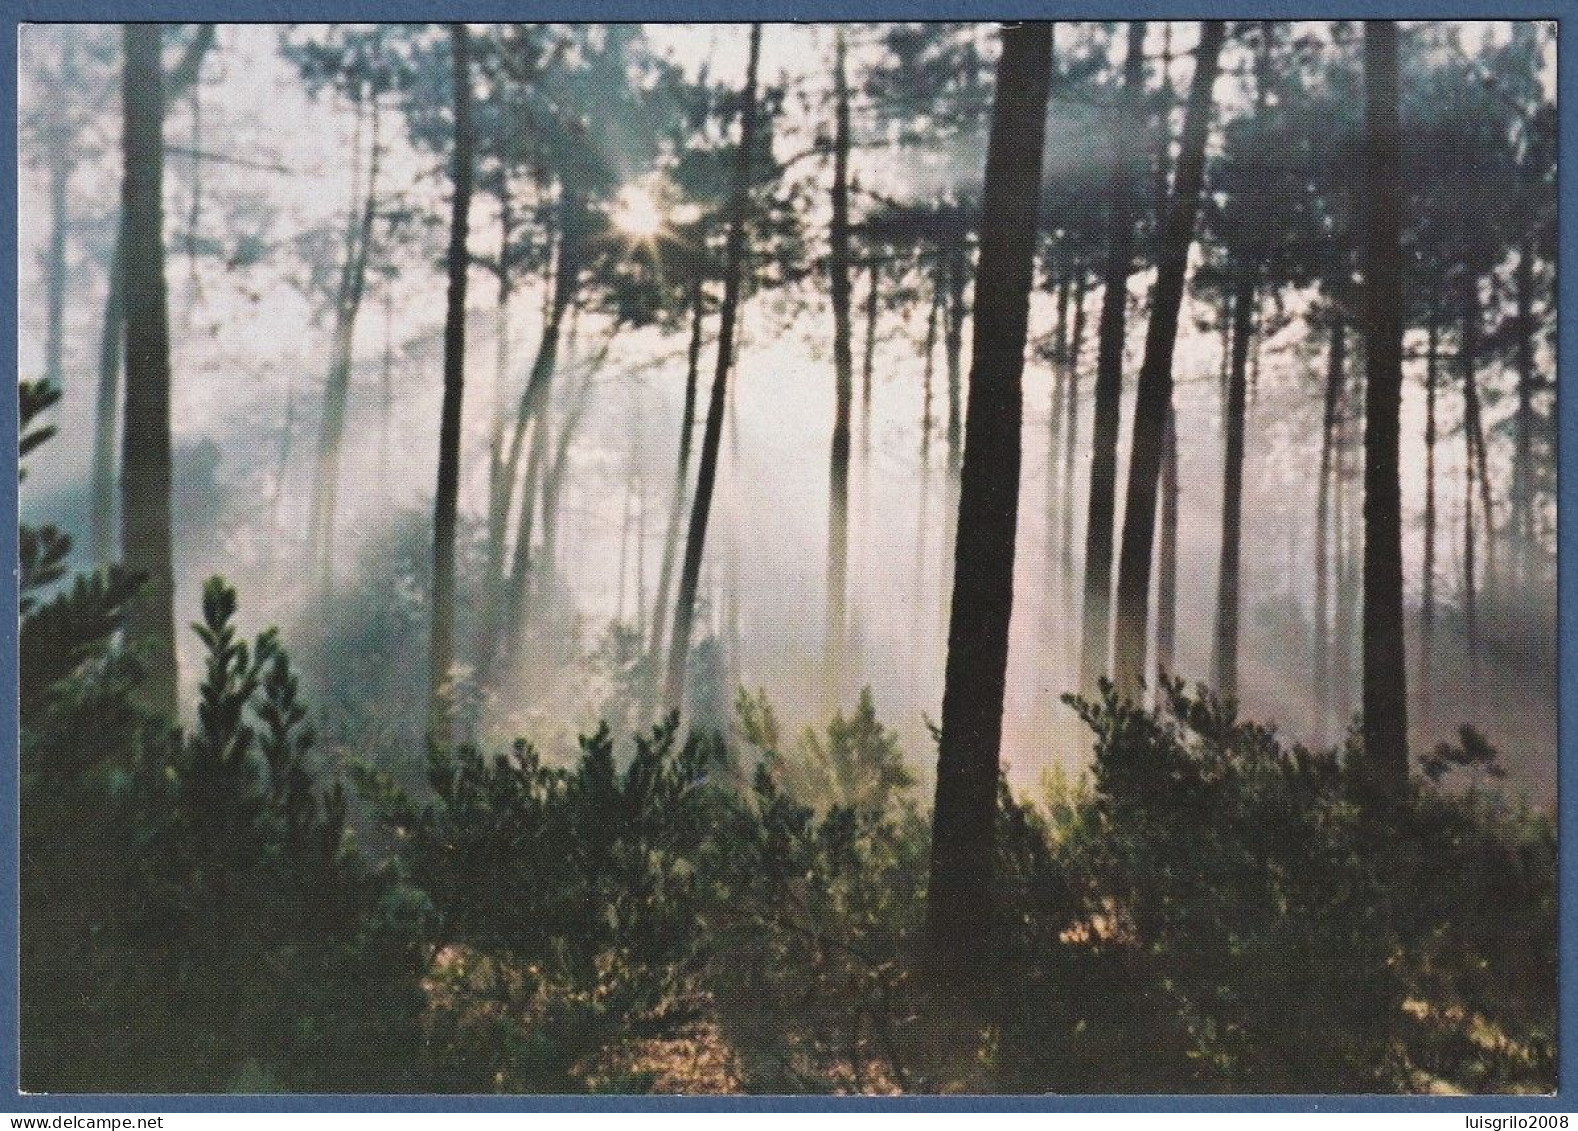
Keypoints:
pixel 636 213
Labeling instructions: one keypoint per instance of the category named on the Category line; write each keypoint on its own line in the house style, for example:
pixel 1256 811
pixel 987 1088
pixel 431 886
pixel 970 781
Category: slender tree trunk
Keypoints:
pixel 1523 423
pixel 145 457
pixel 1096 619
pixel 520 574
pixel 1470 582
pixel 706 475
pixel 868 361
pixel 1167 556
pixel 923 516
pixel 959 898
pixel 687 430
pixel 106 413
pixel 1156 377
pixel 1474 425
pixel 1469 349
pixel 105 417
pixel 1225 653
pixel 1071 447
pixel 1385 688
pixel 1336 377
pixel 1427 600
pixel 843 386
pixel 1057 412
pixel 559 301
pixel 529 434
pixel 953 347
pixel 336 390
pixel 498 489
pixel 1338 673
pixel 446 505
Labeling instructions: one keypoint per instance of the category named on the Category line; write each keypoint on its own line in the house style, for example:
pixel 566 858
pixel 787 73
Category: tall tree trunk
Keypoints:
pixel 1474 424
pixel 447 500
pixel 1057 412
pixel 868 361
pixel 1167 556
pixel 1385 688
pixel 1469 360
pixel 1336 377
pixel 838 267
pixel 959 898
pixel 1071 446
pixel 953 347
pixel 519 494
pixel 145 454
pixel 1523 422
pixel 1225 652
pixel 1156 372
pixel 1427 598
pixel 687 430
pixel 520 573
pixel 106 411
pixel 498 488
pixel 1470 582
pixel 559 300
pixel 1096 618
pixel 336 389
pixel 923 515
pixel 707 471
pixel 105 417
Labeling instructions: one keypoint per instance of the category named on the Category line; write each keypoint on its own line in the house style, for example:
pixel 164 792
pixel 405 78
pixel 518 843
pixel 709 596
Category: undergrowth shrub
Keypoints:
pixel 1310 941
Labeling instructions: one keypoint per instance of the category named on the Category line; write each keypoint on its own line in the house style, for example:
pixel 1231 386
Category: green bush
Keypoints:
pixel 1311 941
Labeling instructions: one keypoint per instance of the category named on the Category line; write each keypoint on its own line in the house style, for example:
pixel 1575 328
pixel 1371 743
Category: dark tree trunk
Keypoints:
pixel 145 453
pixel 953 347
pixel 1427 602
pixel 868 362
pixel 1385 698
pixel 707 471
pixel 1469 360
pixel 843 386
pixel 106 412
pixel 337 387
pixel 105 417
pixel 1523 421
pixel 1167 555
pixel 687 429
pixel 1336 376
pixel 498 488
pixel 446 503
pixel 1096 618
pixel 529 428
pixel 960 893
pixel 1225 652
pixel 1474 424
pixel 1156 373
pixel 928 372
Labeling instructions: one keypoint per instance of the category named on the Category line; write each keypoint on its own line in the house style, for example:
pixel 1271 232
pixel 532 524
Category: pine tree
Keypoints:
pixel 1156 378
pixel 707 471
pixel 145 460
pixel 960 894
pixel 446 503
pixel 1385 678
